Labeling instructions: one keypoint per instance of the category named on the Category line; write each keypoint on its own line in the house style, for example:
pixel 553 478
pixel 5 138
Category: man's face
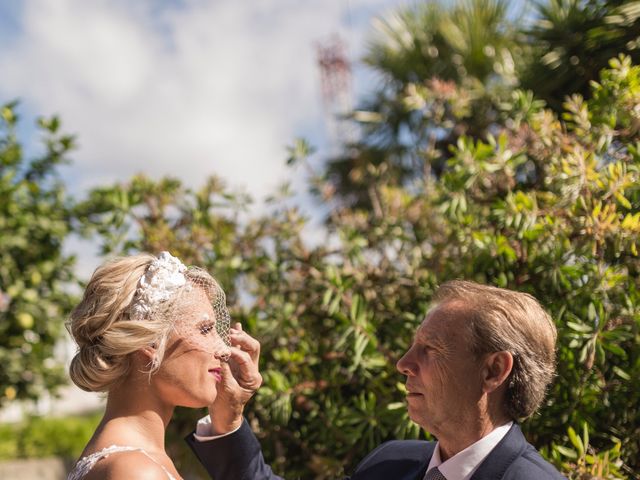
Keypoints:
pixel 443 377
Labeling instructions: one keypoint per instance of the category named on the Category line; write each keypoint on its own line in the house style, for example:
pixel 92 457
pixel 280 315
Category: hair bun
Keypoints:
pixel 92 371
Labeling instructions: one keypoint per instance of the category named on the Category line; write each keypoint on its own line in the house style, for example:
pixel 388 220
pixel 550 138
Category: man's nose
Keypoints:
pixel 405 363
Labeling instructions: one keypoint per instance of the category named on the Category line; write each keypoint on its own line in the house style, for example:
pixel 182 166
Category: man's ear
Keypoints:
pixel 497 367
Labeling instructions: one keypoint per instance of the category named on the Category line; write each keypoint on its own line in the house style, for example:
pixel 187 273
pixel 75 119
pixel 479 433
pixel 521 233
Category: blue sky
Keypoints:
pixel 183 88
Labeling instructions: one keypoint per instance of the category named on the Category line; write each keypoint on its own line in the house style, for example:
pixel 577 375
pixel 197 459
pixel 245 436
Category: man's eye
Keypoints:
pixel 205 329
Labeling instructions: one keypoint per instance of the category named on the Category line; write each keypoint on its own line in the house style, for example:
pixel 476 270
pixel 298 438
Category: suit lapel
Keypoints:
pixel 420 471
pixel 502 456
pixel 397 460
pixel 406 470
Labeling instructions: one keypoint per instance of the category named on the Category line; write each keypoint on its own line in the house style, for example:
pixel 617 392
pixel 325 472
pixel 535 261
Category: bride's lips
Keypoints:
pixel 217 373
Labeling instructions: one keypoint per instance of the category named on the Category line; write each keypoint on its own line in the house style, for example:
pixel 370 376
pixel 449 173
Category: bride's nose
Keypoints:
pixel 222 351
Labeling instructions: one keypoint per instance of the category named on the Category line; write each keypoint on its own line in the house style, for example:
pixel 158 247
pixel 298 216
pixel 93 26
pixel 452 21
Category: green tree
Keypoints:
pixel 573 40
pixel 34 272
pixel 466 48
pixel 465 61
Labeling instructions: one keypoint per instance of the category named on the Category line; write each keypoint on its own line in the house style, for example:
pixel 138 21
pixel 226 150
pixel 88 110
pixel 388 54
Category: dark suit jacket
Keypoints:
pixel 238 457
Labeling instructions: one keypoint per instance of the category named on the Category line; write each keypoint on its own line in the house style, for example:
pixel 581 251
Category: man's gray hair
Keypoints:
pixel 505 320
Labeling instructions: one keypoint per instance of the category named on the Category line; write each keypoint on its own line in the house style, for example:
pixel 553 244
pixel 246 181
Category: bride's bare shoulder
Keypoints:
pixel 127 465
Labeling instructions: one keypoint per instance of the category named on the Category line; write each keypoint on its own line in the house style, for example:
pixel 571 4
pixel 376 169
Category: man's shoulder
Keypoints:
pixel 515 459
pixel 531 465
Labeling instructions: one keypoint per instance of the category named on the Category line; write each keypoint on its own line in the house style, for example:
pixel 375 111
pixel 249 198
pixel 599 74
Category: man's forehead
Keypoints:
pixel 442 320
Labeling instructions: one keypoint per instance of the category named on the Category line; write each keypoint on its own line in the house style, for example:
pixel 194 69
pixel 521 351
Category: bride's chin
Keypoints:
pixel 205 401
pixel 198 402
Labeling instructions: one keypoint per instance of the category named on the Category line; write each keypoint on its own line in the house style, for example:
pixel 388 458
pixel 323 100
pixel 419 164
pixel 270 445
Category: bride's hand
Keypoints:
pixel 240 380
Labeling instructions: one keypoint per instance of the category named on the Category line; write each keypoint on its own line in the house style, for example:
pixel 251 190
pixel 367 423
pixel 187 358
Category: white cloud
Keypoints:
pixel 187 90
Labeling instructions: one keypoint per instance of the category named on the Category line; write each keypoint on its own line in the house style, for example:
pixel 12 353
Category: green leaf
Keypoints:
pixel 621 373
pixel 579 327
pixel 576 441
pixel 567 452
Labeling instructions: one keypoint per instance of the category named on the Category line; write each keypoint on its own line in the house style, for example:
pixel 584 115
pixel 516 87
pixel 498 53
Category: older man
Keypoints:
pixel 479 363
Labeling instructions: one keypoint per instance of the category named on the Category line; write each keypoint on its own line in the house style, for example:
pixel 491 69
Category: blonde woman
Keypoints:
pixel 154 335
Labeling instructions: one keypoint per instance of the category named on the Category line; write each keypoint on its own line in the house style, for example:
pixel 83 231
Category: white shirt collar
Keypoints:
pixel 463 464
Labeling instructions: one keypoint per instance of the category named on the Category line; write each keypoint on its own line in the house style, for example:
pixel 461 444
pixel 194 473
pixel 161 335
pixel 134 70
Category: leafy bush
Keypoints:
pixel 34 272
pixel 581 462
pixel 39 437
pixel 545 205
pixel 548 206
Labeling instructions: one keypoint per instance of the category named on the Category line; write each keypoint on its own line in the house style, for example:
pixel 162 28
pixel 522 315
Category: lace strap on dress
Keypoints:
pixel 85 464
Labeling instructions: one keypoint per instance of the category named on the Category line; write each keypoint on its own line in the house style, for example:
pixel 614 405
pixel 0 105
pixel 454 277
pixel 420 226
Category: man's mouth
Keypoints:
pixel 413 393
pixel 217 373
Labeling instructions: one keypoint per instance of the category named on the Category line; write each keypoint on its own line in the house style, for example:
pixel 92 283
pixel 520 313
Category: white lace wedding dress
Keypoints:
pixel 85 464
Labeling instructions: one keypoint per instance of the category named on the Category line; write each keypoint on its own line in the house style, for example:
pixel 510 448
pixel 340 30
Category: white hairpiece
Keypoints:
pixel 163 278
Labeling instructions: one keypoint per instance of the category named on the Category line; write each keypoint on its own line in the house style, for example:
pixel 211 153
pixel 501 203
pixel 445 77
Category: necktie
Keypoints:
pixel 434 474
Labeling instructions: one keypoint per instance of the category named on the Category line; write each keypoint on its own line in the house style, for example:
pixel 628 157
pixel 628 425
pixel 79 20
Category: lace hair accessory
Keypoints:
pixel 189 298
pixel 162 280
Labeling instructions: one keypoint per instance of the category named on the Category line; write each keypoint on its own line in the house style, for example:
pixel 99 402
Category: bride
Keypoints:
pixel 154 335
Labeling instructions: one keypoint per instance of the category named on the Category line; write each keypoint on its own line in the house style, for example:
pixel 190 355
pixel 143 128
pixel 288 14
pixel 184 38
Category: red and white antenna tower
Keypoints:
pixel 335 79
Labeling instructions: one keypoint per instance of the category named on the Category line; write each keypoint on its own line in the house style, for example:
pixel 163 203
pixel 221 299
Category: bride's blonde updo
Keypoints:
pixel 102 327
